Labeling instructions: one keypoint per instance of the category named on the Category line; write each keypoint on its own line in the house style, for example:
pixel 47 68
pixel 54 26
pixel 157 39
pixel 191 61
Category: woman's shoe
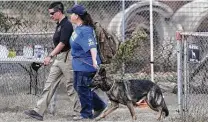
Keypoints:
pixel 76 118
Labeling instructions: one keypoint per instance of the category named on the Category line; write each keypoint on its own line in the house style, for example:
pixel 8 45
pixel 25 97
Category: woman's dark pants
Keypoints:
pixel 89 99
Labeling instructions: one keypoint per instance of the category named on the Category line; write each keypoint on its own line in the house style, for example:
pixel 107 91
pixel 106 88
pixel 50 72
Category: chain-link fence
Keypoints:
pixel 194 65
pixel 30 19
pixel 22 68
pixel 24 23
pixel 192 60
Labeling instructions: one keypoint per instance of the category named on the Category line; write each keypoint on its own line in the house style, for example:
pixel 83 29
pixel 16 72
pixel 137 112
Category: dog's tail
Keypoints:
pixel 164 108
pixel 156 100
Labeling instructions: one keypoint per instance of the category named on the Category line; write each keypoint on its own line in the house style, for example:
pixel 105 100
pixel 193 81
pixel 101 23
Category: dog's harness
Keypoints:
pixel 125 88
pixel 112 86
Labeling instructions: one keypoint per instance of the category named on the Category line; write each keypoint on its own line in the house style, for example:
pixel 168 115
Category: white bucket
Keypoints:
pixel 38 51
pixel 3 51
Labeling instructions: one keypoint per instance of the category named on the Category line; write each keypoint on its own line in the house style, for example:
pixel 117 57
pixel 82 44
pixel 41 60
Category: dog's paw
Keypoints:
pixel 161 116
pixel 134 118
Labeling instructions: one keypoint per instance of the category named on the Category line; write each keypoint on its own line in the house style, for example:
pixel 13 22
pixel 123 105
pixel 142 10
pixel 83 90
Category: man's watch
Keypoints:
pixel 51 56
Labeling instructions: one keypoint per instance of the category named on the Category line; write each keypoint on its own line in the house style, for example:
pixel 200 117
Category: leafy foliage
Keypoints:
pixel 126 50
pixel 4 24
pixel 7 23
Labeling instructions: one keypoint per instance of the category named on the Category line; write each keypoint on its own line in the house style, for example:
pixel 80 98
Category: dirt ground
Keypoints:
pixel 14 100
pixel 12 110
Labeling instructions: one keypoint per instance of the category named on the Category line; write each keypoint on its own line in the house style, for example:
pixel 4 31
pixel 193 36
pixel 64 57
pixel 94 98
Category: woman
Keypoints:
pixel 85 62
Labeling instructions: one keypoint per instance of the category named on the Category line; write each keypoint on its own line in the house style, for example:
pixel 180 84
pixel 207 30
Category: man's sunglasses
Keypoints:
pixel 52 13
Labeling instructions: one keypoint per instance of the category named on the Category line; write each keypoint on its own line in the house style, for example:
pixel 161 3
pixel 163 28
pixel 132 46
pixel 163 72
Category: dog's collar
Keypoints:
pixel 112 86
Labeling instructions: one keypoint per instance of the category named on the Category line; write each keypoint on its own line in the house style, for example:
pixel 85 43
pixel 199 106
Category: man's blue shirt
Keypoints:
pixel 81 41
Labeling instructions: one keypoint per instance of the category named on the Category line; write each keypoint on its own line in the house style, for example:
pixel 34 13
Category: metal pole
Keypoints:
pixel 75 2
pixel 123 21
pixel 179 70
pixel 185 74
pixel 123 33
pixel 151 42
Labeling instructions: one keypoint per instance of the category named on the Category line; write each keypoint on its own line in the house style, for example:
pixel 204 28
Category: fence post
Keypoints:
pixel 75 2
pixel 186 72
pixel 123 21
pixel 151 42
pixel 123 33
pixel 179 70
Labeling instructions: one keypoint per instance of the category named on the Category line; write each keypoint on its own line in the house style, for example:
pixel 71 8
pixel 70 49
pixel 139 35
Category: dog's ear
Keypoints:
pixel 102 71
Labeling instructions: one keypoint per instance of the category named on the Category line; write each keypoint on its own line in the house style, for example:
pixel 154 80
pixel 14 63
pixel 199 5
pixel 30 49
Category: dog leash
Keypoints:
pixel 84 62
pixel 87 63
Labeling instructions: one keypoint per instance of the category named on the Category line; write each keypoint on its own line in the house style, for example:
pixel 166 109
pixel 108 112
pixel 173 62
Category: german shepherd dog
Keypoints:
pixel 130 93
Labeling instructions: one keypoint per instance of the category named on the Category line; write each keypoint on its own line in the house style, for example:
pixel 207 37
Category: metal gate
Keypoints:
pixel 192 75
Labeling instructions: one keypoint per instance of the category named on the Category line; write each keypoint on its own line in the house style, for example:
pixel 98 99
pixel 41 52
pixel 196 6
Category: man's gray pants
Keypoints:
pixel 59 69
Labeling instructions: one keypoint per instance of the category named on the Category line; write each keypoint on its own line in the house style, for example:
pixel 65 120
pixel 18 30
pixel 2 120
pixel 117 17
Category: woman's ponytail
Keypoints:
pixel 87 19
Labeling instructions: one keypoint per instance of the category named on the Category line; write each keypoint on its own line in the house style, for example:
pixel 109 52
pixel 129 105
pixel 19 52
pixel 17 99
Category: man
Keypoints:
pixel 60 66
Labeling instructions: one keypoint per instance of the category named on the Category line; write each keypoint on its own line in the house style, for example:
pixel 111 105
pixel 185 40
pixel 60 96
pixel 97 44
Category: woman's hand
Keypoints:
pixel 95 65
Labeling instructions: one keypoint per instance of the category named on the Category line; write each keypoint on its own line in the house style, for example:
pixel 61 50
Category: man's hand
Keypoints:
pixel 47 60
pixel 57 50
